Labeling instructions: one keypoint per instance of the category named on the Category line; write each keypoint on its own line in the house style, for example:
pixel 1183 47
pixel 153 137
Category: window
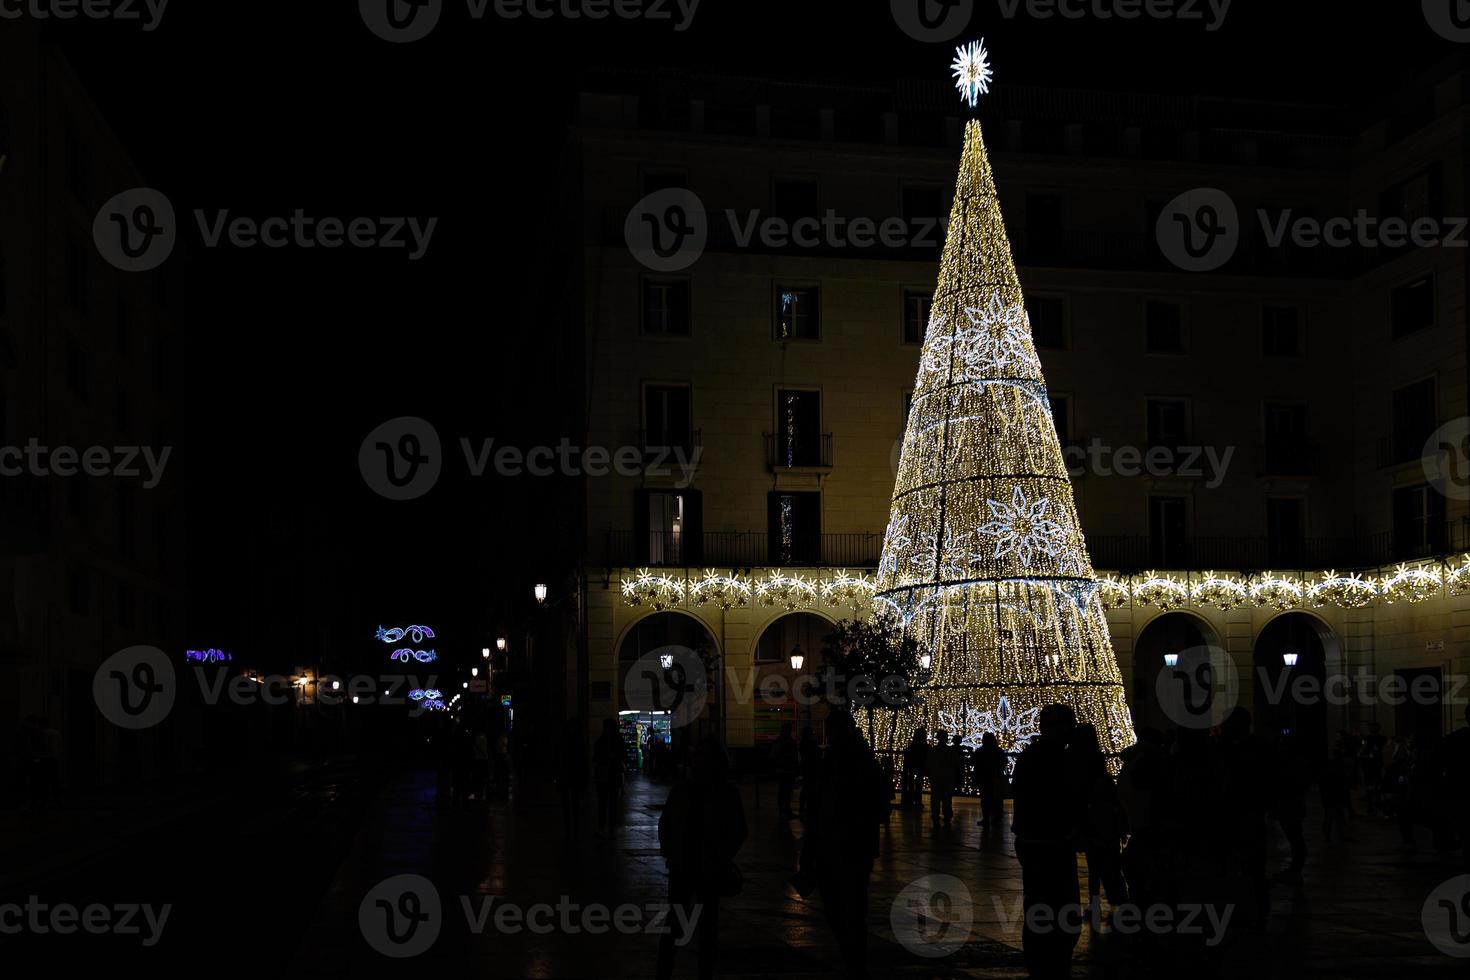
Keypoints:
pixel 795 528
pixel 1281 331
pixel 1412 307
pixel 661 181
pixel 669 527
pixel 666 307
pixel 1048 315
pixel 1164 322
pixel 1418 521
pixel 1168 422
pixel 1285 532
pixel 1285 422
pixel 799 439
pixel 1415 417
pixel 794 199
pixel 916 307
pixel 796 313
pixel 1167 528
pixel 1045 226
pixel 666 417
pixel 1288 452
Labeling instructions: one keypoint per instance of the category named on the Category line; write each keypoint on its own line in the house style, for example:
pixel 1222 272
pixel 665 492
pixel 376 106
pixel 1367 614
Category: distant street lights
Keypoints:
pixel 541 592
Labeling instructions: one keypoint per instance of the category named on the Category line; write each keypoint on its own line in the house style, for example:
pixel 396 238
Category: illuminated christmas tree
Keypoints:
pixel 984 560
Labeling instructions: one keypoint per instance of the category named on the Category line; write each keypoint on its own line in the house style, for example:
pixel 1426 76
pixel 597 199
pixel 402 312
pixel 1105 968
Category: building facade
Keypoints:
pixel 1270 416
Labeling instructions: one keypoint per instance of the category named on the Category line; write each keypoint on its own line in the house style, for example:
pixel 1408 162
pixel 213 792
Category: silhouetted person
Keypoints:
pixel 811 769
pixel 1289 803
pixel 842 838
pixel 607 774
pixel 1248 787
pixel 699 832
pixel 1050 809
pixel 944 776
pixel 1106 824
pixel 1452 772
pixel 784 759
pixel 571 777
pixel 990 781
pixel 915 762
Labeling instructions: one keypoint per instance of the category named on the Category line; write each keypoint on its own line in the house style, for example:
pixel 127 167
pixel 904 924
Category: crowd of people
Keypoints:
pixel 1186 821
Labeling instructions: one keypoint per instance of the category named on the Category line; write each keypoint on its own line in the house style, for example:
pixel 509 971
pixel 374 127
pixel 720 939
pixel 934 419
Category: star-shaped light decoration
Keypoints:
pixel 1023 528
pixel 972 71
pixel 1013 729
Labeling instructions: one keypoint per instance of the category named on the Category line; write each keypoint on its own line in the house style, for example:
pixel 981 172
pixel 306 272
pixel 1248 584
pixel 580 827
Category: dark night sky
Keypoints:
pixel 292 356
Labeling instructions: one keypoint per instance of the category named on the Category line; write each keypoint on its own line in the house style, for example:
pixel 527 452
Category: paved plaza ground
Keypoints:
pixel 1357 912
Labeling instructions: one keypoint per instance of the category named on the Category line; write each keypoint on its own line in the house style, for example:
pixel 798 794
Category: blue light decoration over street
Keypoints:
pixel 210 656
pixel 405 654
pixel 430 699
pixel 416 633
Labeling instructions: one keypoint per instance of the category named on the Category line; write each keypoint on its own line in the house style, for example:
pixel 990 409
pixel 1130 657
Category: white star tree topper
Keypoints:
pixel 972 71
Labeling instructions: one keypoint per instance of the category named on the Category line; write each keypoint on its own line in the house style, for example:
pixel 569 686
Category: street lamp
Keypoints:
pixel 797 657
pixel 474 672
pixel 499 644
pixel 540 591
pixel 1171 660
pixel 926 660
pixel 485 653
pixel 1290 658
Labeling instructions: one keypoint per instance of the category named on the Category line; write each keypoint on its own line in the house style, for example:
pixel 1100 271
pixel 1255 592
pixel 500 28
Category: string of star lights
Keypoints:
pixel 984 562
pixel 735 591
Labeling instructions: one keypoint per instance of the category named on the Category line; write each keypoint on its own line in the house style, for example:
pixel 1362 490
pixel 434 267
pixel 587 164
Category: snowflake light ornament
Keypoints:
pixel 1014 730
pixel 1023 529
pixel 971 68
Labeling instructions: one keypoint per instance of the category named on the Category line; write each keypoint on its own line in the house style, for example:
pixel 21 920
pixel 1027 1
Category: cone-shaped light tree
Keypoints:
pixel 984 560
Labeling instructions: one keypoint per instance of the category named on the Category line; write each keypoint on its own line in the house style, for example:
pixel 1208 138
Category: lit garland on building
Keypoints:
pixel 658 591
pixel 1458 580
pixel 1276 592
pixel 723 591
pixel 1344 591
pixel 848 590
pixel 1162 591
pixel 1411 585
pixel 1221 591
pixel 1114 593
pixel 983 559
pixel 789 592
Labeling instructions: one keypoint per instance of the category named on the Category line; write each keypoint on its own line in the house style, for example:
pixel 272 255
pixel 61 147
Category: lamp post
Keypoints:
pixel 1171 659
pixel 500 643
pixel 540 592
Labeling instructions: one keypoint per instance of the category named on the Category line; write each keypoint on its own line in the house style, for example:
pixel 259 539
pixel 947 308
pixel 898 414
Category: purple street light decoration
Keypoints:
pixel 422 656
pixel 210 656
pixel 416 633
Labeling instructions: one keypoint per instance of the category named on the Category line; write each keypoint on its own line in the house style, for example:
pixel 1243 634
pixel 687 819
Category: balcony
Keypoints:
pixel 1132 553
pixel 809 454
pixel 734 549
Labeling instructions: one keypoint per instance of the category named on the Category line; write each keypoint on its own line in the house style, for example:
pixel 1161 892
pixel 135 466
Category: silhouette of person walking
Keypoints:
pixel 915 760
pixel 944 774
pixel 841 841
pixel 1049 814
pixel 699 833
pixel 607 774
pixel 990 780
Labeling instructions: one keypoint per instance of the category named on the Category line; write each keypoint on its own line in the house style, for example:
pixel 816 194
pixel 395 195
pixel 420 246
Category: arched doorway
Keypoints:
pixel 1289 681
pixel 662 709
pixel 1167 642
pixel 779 696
